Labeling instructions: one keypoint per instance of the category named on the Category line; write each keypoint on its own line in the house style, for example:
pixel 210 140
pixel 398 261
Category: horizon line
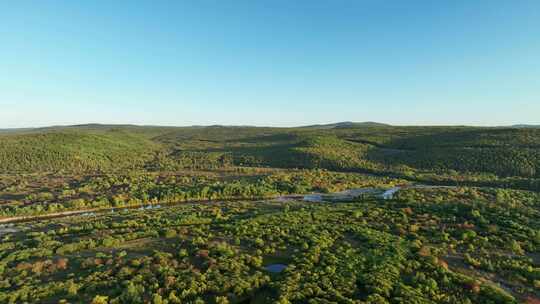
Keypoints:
pixel 322 124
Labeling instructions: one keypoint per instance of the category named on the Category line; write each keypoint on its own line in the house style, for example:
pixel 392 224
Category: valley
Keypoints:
pixel 345 213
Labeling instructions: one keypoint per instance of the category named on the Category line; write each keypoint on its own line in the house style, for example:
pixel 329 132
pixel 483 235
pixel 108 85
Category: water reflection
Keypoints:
pixel 275 268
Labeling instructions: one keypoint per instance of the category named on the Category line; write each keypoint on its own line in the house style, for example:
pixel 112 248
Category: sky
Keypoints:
pixel 269 63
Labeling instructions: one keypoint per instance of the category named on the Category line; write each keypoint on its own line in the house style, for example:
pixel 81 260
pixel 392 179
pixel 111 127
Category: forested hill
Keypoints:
pixel 74 151
pixel 373 148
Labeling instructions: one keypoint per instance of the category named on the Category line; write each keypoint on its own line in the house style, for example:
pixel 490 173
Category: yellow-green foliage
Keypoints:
pixel 333 153
pixel 74 151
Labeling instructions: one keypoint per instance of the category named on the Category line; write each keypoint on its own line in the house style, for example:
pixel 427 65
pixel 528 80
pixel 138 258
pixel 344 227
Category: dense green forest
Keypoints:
pixel 74 151
pixel 27 195
pixel 341 213
pixel 502 152
pixel 460 245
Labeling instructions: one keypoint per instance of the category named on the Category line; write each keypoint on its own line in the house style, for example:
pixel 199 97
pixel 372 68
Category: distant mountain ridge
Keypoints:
pixel 98 126
pixel 525 126
pixel 337 125
pixel 347 124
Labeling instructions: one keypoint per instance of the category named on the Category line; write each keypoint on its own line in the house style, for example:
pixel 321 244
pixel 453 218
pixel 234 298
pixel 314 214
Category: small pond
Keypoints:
pixel 275 268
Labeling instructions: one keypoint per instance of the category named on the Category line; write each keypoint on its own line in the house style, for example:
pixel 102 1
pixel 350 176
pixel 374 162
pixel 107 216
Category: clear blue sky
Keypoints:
pixel 271 62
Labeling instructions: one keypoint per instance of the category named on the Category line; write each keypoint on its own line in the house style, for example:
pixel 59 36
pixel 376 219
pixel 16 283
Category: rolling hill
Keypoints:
pixel 364 148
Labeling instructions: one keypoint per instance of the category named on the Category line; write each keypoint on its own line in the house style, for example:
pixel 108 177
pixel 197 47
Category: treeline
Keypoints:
pixel 118 191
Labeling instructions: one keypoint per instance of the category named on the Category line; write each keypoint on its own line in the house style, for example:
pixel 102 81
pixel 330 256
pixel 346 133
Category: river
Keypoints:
pixel 345 195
